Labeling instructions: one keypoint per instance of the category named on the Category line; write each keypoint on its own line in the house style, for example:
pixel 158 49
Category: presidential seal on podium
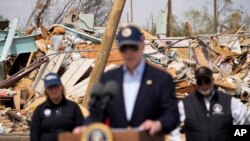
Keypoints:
pixel 97 132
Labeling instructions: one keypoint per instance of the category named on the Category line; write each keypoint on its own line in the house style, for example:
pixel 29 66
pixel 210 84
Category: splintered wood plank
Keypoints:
pixel 75 72
pixel 237 69
pixel 37 101
pixel 220 59
pixel 182 84
pixel 190 30
pixel 39 75
pixel 221 83
pixel 212 46
pixel 147 35
pixel 53 66
pixel 148 49
pixel 245 42
pixel 202 61
pixel 183 52
pixel 45 32
pixel 17 99
pixel 41 70
pixel 80 88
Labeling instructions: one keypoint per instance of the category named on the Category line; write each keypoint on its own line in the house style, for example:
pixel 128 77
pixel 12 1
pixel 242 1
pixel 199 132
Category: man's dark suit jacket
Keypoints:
pixel 155 100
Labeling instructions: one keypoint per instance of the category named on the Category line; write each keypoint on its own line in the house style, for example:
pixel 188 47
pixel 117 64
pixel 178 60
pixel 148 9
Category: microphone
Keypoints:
pixel 110 90
pixel 95 97
pixel 100 97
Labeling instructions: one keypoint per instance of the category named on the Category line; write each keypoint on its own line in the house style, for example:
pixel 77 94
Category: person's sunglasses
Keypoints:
pixel 53 87
pixel 203 81
pixel 131 47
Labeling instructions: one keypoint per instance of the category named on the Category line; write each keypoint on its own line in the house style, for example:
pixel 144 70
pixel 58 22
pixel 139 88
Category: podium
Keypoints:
pixel 131 135
pixel 106 134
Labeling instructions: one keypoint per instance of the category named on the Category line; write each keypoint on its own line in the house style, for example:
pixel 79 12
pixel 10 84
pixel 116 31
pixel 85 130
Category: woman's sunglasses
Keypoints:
pixel 130 47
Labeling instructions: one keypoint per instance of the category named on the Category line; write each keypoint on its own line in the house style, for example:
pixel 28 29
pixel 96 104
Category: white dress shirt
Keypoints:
pixel 131 85
pixel 240 114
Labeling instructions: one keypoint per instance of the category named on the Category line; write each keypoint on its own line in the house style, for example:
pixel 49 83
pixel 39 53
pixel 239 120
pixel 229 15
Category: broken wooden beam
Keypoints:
pixel 12 80
pixel 17 100
pixel 200 58
pixel 45 32
pixel 202 61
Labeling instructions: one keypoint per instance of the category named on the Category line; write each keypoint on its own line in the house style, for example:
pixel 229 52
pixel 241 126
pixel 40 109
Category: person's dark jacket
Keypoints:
pixel 155 100
pixel 49 119
pixel 209 125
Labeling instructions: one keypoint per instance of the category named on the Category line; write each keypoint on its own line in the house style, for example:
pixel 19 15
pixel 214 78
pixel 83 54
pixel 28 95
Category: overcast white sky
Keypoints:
pixel 142 8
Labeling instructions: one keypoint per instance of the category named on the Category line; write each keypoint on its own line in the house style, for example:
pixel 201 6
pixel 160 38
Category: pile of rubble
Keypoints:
pixel 14 121
pixel 71 53
pixel 227 54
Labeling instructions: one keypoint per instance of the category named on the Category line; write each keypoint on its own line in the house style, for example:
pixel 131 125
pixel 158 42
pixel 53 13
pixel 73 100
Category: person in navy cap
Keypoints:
pixel 56 114
pixel 146 97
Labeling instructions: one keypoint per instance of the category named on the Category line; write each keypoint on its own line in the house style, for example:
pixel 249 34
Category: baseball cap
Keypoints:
pixel 203 72
pixel 52 79
pixel 129 35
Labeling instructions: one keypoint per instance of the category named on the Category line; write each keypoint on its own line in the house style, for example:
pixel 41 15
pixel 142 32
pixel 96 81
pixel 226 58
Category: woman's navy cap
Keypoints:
pixel 52 79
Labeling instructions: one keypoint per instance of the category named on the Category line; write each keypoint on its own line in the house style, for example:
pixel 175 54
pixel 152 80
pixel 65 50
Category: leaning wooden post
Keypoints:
pixel 107 41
